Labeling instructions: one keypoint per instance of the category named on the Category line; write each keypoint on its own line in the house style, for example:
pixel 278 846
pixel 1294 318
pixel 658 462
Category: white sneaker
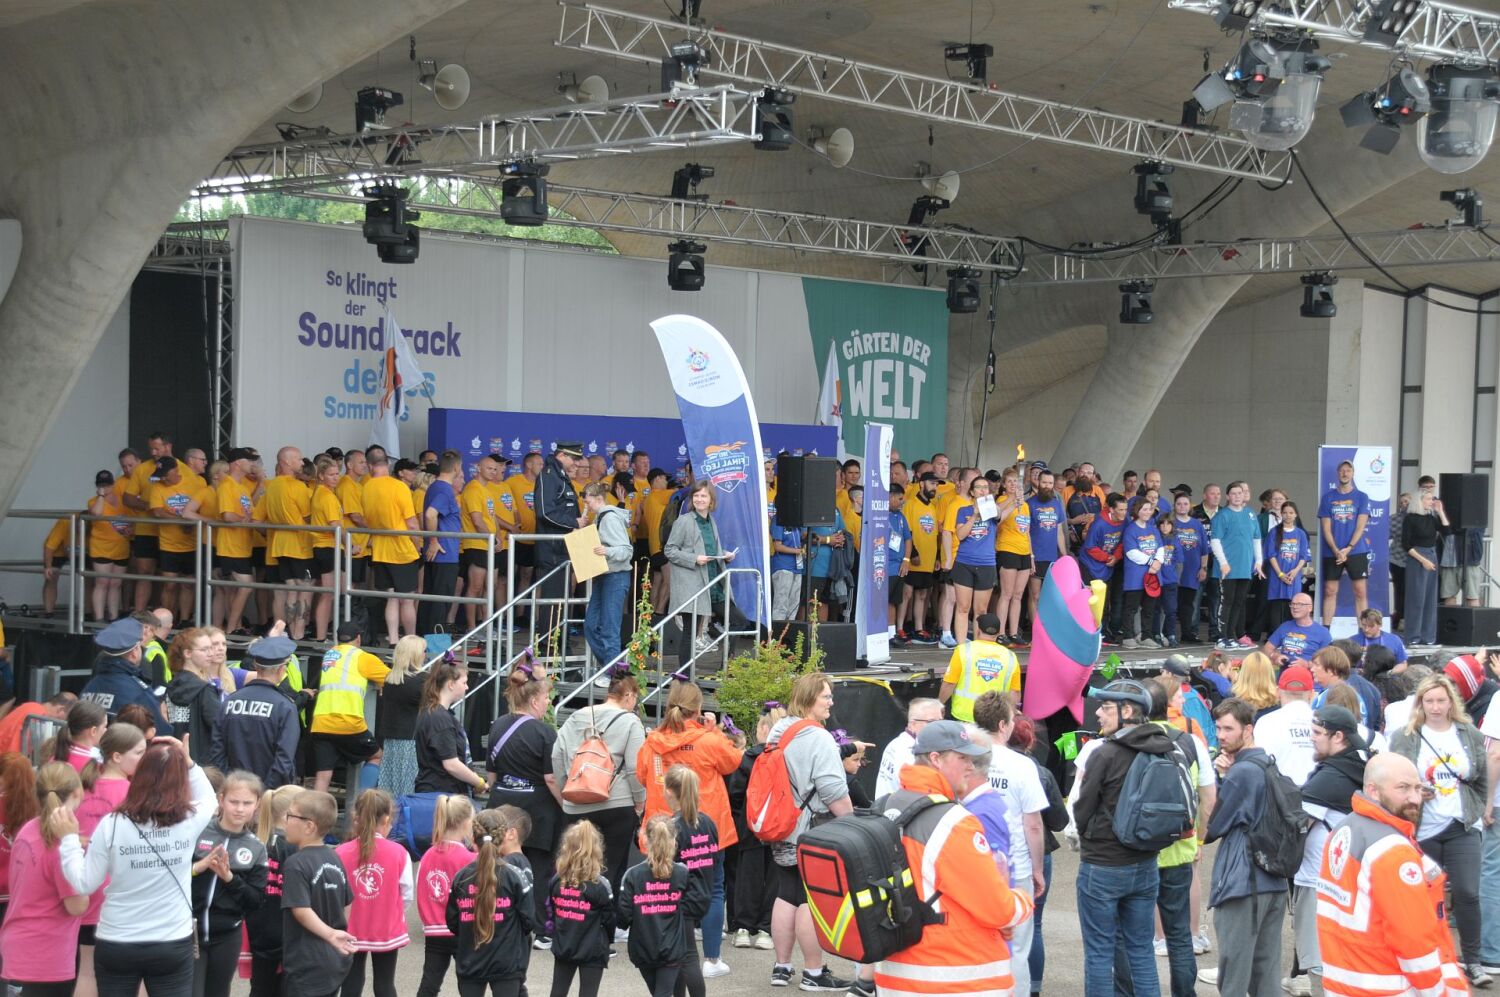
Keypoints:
pixel 698 934
pixel 1201 944
pixel 1297 986
pixel 763 941
pixel 1149 642
pixel 1130 643
pixel 622 935
pixel 714 967
pixel 742 939
pixel 1161 948
pixel 1209 976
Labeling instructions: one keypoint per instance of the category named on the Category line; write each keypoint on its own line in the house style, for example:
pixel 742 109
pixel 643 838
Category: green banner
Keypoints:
pixel 892 349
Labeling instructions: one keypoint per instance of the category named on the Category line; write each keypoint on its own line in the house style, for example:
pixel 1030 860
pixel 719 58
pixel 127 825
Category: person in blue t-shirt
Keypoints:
pixel 786 571
pixel 441 512
pixel 1049 533
pixel 1370 622
pixel 1342 517
pixel 898 562
pixel 1101 544
pixel 969 559
pixel 1143 556
pixel 1192 564
pixel 1171 572
pixel 1236 545
pixel 1286 552
pixel 1299 638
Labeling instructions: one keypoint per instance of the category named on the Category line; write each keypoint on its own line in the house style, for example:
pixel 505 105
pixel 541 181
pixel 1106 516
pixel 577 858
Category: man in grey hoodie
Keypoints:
pixel 601 624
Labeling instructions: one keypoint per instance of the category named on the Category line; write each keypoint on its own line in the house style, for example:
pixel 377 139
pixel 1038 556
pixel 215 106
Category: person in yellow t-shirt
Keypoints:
pixel 109 546
pixel 926 524
pixel 479 503
pixel 979 666
pixel 289 503
pixel 942 467
pixel 232 544
pixel 640 470
pixel 170 498
pixel 136 494
pixel 523 488
pixel 350 492
pixel 55 549
pixel 653 507
pixel 393 559
pixel 849 477
pixel 339 731
pixel 854 517
pixel 325 511
pixel 595 470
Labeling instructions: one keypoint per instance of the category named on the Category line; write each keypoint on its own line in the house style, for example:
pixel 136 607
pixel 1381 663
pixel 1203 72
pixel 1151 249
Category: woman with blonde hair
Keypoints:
pixel 697 556
pixel 1256 683
pixel 1449 753
pixel 396 719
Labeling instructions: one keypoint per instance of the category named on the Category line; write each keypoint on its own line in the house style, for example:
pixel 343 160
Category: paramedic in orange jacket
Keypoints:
pixel 1381 928
pixel 967 953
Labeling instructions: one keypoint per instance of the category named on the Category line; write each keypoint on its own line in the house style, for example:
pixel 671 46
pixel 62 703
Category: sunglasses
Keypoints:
pixel 292 816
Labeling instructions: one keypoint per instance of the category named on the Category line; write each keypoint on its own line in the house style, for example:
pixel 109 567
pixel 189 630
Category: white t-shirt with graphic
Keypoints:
pixel 1014 776
pixel 1442 763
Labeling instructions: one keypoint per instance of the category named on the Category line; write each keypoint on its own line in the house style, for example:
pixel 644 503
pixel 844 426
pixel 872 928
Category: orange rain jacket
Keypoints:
pixel 1381 928
pixel 705 750
pixel 966 954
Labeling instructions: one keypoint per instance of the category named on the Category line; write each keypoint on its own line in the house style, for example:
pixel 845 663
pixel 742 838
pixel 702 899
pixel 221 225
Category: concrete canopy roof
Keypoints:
pixel 1135 57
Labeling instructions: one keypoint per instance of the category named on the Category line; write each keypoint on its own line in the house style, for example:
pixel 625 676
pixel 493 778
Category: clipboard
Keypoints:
pixel 581 544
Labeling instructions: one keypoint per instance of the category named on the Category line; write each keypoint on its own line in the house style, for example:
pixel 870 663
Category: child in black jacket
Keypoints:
pixel 490 913
pixel 581 912
pixel 659 902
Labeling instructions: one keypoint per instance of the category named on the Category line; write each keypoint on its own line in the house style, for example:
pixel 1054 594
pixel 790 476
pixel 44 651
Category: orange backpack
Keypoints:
pixel 771 808
pixel 593 772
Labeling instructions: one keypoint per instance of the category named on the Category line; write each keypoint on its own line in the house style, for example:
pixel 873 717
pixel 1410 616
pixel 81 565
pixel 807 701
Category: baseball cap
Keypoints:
pixel 501 459
pixel 119 637
pixel 271 652
pixel 349 630
pixel 1040 465
pixel 403 465
pixel 946 735
pixel 989 623
pixel 1182 488
pixel 572 449
pixel 927 476
pixel 1296 678
pixel 1339 718
pixel 103 478
pixel 1124 691
pixel 238 453
pixel 1177 664
pixel 1151 583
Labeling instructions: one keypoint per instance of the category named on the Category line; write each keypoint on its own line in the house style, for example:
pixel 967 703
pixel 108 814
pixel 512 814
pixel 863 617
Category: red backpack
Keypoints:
pixel 771 808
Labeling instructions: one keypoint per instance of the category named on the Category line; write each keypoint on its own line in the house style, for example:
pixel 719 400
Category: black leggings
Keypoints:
pixel 690 978
pixel 440 950
pixel 588 979
pixel 660 979
pixel 1138 602
pixel 384 964
pixel 214 969
pixel 57 988
pixel 754 888
pixel 1457 849
pixel 165 967
pixel 541 875
pixel 265 976
pixel 1232 607
pixel 617 826
pixel 497 988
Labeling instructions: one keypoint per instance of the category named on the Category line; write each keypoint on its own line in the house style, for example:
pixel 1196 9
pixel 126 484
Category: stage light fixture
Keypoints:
pixel 1456 134
pixel 388 224
pixel 1274 83
pixel 680 67
pixel 1317 299
pixel 1135 302
pixel 1387 19
pixel 685 270
pixel 1400 100
pixel 1468 201
pixel 685 180
pixel 1235 15
pixel 963 291
pixel 370 105
pixel 524 193
pixel 922 209
pixel 976 59
pixel 773 119
pixel 1152 195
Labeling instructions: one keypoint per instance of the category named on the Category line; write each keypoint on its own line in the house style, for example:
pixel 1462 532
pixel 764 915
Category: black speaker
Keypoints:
pixel 1468 626
pixel 805 491
pixel 1466 500
pixel 836 640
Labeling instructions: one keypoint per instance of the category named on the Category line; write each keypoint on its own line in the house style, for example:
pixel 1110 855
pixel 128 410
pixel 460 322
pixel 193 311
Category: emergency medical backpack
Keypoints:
pixel 771 805
pixel 860 889
pixel 1158 804
pixel 1276 838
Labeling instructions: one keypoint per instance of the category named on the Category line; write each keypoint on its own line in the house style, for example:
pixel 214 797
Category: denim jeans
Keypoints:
pixel 1036 960
pixel 1115 910
pixel 1489 897
pixel 1421 600
pixel 601 624
pixel 1174 901
pixel 713 920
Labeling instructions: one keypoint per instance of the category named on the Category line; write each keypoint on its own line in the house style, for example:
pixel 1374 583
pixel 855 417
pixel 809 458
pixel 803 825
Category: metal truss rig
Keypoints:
pixel 1437 245
pixel 1435 31
pixel 689 116
pixel 649 39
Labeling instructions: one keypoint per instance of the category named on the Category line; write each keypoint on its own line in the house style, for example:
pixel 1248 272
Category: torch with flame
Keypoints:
pixel 1020 452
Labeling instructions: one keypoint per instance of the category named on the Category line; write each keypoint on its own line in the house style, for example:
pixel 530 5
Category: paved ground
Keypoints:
pixel 752 967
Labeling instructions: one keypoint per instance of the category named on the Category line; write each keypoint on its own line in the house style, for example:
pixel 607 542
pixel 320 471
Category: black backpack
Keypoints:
pixel 860 889
pixel 1276 838
pixel 1158 804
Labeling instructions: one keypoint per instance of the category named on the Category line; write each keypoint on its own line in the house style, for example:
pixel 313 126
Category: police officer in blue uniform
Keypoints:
pixel 258 726
pixel 557 512
pixel 117 680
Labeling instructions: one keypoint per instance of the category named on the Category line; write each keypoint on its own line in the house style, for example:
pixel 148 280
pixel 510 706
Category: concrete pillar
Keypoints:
pixel 112 113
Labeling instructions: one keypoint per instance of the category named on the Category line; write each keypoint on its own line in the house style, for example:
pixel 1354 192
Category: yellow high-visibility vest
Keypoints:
pixel 341 689
pixel 988 667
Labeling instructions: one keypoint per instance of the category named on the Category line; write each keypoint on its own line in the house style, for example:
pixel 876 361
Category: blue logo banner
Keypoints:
pixel 871 627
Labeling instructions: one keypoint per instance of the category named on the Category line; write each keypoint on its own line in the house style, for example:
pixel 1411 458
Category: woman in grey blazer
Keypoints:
pixel 694 554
